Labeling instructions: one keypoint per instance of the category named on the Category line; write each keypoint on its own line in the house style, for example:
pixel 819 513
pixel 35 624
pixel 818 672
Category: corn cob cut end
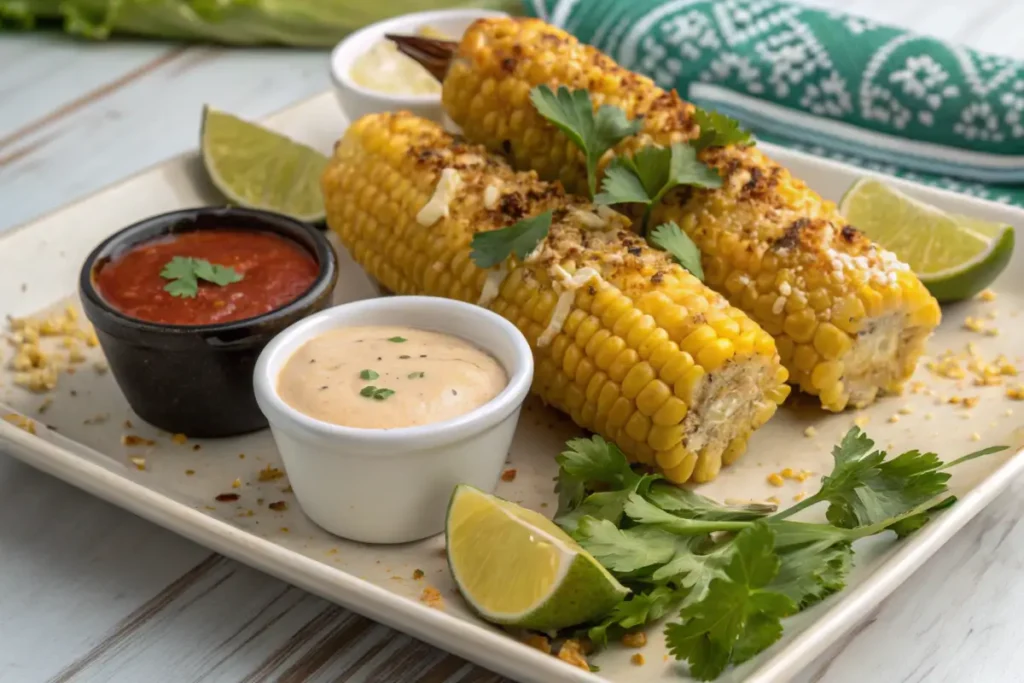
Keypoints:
pixel 641 352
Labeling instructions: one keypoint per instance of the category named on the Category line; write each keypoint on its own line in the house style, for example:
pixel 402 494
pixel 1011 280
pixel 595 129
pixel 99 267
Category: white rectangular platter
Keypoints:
pixel 79 429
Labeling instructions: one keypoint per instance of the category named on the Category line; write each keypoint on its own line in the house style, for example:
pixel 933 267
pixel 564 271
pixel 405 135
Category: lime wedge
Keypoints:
pixel 955 256
pixel 516 568
pixel 260 169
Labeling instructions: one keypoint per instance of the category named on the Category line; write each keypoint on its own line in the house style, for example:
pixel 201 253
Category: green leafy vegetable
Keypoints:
pixel 739 616
pixel 594 133
pixel 494 246
pixel 368 374
pixel 670 237
pixel 734 571
pixel 648 175
pixel 865 488
pixel 719 130
pixel 307 23
pixel 185 272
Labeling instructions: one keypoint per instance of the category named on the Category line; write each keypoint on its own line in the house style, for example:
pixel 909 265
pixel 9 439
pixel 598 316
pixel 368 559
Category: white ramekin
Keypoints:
pixel 393 485
pixel 357 101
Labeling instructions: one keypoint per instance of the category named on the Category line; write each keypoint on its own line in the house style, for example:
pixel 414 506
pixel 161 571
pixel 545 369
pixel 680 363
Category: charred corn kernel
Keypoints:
pixel 612 352
pixel 770 244
pixel 775 479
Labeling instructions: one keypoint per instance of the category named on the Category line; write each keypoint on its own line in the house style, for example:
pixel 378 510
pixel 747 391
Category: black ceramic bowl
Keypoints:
pixel 197 380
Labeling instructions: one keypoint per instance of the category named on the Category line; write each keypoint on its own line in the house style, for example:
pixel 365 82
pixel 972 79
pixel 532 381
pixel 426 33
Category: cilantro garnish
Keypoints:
pixel 376 393
pixel 494 246
pixel 719 130
pixel 594 133
pixel 648 175
pixel 734 572
pixel 670 237
pixel 185 272
pixel 397 340
pixel 416 375
pixel 368 374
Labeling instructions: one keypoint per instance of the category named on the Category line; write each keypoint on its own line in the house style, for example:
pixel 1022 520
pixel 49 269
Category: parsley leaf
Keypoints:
pixel 739 616
pixel 494 246
pixel 648 175
pixel 593 133
pixel 185 272
pixel 719 130
pixel 670 237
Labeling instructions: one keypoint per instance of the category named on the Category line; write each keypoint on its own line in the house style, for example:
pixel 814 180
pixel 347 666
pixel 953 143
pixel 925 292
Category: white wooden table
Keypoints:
pixel 91 593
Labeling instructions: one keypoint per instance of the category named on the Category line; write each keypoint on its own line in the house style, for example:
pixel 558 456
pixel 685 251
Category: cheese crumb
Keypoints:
pixel 987 295
pixel 893 419
pixel 438 206
pixel 140 463
pixel 810 432
pixel 861 421
pixel 975 436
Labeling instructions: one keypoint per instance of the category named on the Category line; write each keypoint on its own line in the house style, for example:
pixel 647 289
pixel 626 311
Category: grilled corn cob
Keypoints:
pixel 849 319
pixel 625 341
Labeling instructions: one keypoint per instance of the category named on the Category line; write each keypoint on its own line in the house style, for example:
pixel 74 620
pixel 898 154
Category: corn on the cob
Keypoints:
pixel 849 319
pixel 626 342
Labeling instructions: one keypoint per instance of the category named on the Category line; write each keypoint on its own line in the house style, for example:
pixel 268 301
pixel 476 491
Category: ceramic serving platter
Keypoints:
pixel 80 431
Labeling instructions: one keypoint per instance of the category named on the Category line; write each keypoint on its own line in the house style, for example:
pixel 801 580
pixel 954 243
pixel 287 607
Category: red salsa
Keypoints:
pixel 274 271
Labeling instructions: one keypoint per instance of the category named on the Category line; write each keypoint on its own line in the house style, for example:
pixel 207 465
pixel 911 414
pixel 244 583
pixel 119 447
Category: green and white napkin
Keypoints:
pixel 824 82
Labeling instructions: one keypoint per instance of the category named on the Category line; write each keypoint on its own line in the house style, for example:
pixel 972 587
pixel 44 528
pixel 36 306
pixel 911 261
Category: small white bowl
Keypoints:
pixel 393 485
pixel 357 101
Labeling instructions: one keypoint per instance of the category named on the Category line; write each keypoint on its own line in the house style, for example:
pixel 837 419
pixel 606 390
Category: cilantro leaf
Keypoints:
pixel 719 130
pixel 669 237
pixel 810 573
pixel 494 246
pixel 218 275
pixel 638 609
pixel 865 489
pixel 185 272
pixel 692 570
pixel 625 551
pixel 643 512
pixel 593 133
pixel 652 172
pixel 589 462
pixel 687 503
pixel 608 505
pixel 739 616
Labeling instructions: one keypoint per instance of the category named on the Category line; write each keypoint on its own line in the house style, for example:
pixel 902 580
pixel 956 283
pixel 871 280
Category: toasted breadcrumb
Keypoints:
pixel 571 652
pixel 270 473
pixel 508 475
pixel 417 574
pixel 139 462
pixel 236 484
pixel 634 639
pixel 21 422
pixel 538 642
pixel 179 439
pixel 987 295
pixel 134 440
pixel 431 597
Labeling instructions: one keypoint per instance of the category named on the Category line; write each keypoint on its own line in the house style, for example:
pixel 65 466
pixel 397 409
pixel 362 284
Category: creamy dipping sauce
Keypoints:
pixel 384 377
pixel 384 69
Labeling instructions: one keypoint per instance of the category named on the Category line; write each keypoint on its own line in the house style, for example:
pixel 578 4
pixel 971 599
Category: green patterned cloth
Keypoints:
pixel 827 83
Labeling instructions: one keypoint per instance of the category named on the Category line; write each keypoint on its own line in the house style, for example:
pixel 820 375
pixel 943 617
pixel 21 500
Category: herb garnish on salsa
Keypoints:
pixel 206 277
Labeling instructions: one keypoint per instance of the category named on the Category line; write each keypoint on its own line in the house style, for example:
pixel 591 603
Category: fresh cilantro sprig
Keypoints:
pixel 594 133
pixel 494 246
pixel 866 488
pixel 670 237
pixel 734 572
pixel 185 272
pixel 719 130
pixel 647 176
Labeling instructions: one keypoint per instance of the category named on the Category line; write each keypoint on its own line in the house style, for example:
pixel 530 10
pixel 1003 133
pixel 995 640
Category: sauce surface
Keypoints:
pixel 384 69
pixel 359 377
pixel 275 271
